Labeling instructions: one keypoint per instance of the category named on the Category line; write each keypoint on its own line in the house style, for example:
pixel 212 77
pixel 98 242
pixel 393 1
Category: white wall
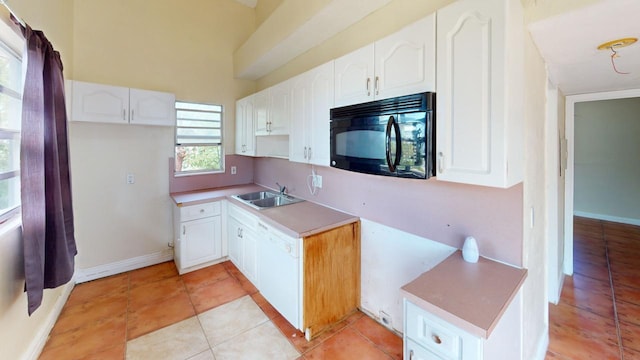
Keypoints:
pixel 390 259
pixel 607 165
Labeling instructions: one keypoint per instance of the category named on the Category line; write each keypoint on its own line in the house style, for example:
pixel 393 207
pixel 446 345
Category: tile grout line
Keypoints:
pixel 613 293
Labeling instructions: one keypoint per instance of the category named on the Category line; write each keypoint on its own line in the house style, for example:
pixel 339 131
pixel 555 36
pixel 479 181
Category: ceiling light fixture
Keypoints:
pixel 613 45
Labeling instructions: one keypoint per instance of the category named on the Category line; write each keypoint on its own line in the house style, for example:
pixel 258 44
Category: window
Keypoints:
pixel 198 138
pixel 10 120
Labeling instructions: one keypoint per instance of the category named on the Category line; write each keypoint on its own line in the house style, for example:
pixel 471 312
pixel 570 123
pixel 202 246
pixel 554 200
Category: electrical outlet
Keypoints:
pixel 317 181
pixel 131 178
pixel 234 170
pixel 386 319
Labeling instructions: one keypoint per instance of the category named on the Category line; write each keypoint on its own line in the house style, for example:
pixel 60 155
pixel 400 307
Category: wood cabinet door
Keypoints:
pixel 354 76
pixel 99 103
pixel 201 241
pixel 331 277
pixel 405 61
pixel 152 108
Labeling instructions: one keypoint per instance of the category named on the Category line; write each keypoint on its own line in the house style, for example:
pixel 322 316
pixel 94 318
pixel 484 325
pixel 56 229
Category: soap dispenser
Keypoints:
pixel 470 251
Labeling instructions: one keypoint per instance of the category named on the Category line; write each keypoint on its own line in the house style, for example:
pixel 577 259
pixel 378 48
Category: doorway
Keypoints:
pixel 569 210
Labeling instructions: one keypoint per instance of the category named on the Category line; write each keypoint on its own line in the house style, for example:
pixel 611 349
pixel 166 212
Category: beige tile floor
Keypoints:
pixel 236 330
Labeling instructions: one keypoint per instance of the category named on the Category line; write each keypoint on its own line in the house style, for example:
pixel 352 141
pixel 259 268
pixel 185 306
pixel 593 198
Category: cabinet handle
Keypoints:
pixel 241 231
pixel 440 162
pixel 201 211
pixel 124 114
pixel 305 152
pixel 131 114
pixel 410 354
pixel 436 339
pixel 184 230
pixel 376 84
pixel 309 152
pixel 368 82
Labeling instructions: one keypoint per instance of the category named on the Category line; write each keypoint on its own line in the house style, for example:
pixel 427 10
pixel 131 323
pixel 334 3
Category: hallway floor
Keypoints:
pixel 598 316
pixel 213 313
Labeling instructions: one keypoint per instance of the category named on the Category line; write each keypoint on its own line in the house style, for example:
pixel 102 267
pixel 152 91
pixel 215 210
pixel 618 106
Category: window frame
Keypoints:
pixel 184 173
pixel 12 43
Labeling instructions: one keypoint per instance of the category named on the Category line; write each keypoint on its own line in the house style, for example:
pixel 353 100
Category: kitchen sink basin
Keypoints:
pixel 258 195
pixel 266 199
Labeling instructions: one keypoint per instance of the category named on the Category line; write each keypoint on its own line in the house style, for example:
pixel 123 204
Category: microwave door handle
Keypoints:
pixel 396 162
pixel 390 125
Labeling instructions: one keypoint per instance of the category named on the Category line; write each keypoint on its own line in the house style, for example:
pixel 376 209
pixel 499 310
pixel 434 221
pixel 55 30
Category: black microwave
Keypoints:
pixel 390 137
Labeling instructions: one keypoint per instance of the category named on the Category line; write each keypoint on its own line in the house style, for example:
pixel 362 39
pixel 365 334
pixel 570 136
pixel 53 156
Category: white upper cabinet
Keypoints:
pixel 152 108
pixel 261 112
pixel 480 93
pixel 312 98
pixel 273 110
pixel 400 64
pixel 245 133
pixel 280 108
pixel 100 103
pixel 120 105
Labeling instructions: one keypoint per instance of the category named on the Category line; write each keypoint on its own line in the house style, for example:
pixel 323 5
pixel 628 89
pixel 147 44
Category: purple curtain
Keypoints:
pixel 47 216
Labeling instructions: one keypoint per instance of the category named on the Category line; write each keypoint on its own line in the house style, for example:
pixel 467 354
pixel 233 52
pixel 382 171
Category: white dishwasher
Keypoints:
pixel 279 272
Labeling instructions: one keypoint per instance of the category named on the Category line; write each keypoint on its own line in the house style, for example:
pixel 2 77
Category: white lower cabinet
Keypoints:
pixel 426 336
pixel 198 237
pixel 243 242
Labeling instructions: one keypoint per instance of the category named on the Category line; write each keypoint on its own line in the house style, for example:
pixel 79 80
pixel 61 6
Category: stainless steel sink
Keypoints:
pixel 258 195
pixel 266 199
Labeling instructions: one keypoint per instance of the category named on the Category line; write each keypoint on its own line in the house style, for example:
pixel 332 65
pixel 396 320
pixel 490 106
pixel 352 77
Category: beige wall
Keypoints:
pixel 264 8
pixel 23 336
pixel 383 22
pixel 181 47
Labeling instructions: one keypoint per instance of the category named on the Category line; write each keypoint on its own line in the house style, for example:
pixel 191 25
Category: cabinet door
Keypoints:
pixel 280 108
pixel 479 122
pixel 354 77
pixel 298 142
pixel 250 255
pixel 261 112
pixel 405 61
pixel 320 101
pixel 100 103
pixel 245 135
pixel 152 108
pixel 201 241
pixel 234 242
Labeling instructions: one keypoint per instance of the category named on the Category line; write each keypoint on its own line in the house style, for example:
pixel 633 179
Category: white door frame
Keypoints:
pixel 552 161
pixel 569 189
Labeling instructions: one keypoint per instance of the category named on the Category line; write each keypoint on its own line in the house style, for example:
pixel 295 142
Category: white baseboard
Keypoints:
pixel 543 345
pixel 96 272
pixel 40 339
pixel 617 219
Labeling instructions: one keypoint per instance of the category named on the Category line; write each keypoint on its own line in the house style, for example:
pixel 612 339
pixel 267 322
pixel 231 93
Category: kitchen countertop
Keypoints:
pixel 296 220
pixel 470 296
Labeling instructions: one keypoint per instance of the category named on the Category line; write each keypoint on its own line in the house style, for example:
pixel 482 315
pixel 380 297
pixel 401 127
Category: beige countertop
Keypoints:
pixel 471 296
pixel 296 220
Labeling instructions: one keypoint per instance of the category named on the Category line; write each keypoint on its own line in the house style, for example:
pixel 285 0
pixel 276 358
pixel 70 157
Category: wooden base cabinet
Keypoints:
pixel 330 277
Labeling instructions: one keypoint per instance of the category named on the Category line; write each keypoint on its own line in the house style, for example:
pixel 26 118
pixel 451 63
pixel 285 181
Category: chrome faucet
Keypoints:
pixel 282 188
